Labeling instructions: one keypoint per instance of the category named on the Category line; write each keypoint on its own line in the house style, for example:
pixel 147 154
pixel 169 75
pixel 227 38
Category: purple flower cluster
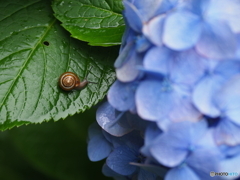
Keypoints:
pixel 178 93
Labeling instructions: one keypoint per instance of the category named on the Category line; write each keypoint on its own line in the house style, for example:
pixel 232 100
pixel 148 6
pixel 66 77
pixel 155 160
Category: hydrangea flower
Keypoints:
pixel 135 42
pixel 123 155
pixel 183 147
pixel 230 163
pixel 174 110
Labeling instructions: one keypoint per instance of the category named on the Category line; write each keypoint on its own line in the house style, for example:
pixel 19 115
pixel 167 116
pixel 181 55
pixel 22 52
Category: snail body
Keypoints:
pixel 69 81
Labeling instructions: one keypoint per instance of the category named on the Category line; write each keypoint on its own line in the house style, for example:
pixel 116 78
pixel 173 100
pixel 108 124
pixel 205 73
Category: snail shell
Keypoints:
pixel 69 81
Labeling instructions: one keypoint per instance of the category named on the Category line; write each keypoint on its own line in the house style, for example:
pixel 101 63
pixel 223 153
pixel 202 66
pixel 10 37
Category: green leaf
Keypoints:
pixel 35 51
pixel 99 22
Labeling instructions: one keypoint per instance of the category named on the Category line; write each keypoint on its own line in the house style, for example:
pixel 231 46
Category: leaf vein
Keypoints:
pixel 25 63
pixel 25 98
pixel 20 8
pixel 43 80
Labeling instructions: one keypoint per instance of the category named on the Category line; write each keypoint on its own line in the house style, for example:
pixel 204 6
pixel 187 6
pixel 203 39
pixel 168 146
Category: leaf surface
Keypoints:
pixel 34 51
pixel 99 22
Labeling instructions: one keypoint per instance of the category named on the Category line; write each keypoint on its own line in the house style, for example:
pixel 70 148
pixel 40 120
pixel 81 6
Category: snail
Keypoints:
pixel 69 81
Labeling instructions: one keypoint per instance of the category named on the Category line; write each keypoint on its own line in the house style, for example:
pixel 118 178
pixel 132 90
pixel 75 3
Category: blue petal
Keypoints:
pixel 133 140
pixel 158 59
pixel 225 11
pixel 114 140
pixel 203 95
pixel 205 91
pixel 196 7
pixel 166 6
pixel 137 122
pixel 157 100
pixel 160 171
pixel 133 16
pixel 121 95
pixel 187 67
pixel 171 148
pixel 188 132
pixel 227 132
pixel 206 141
pixel 228 68
pixel 217 41
pixel 196 130
pixel 119 160
pixel 125 54
pixel 230 165
pixel 211 65
pixel 110 173
pixel 128 36
pixel 165 154
pixel 203 161
pixel 98 148
pixel 183 109
pixel 151 103
pixel 238 50
pixel 111 121
pixel 228 99
pixel 142 44
pixel 157 7
pixel 181 173
pixel 181 30
pixel 153 30
pixel 230 151
pixel 164 124
pixel 151 133
pixel 97 141
pixel 128 71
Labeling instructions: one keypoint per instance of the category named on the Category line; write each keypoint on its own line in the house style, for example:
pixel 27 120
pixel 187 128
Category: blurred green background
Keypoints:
pixel 49 151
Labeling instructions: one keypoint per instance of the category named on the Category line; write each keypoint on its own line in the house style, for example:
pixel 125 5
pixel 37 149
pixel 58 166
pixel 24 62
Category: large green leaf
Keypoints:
pixel 98 22
pixel 34 51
